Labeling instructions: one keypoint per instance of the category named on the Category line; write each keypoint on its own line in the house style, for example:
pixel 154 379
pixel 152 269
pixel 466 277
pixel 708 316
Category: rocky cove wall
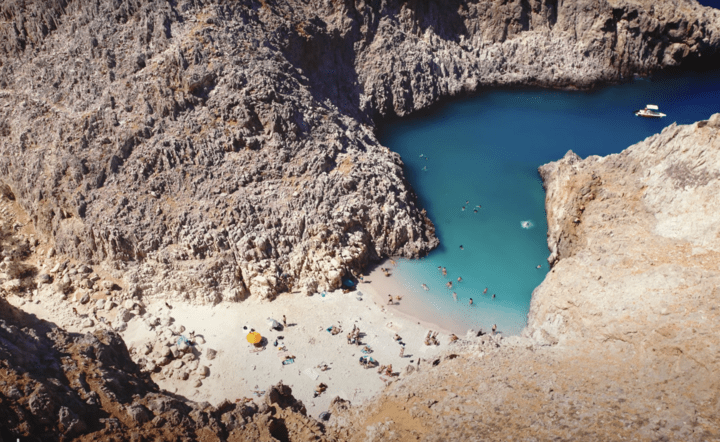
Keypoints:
pixel 635 245
pixel 216 151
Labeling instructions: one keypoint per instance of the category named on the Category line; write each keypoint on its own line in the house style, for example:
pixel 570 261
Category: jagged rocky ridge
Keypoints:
pixel 214 150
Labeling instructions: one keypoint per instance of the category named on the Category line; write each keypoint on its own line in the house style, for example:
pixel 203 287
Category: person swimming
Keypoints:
pixel 444 270
pixel 461 247
pixel 467 202
pixel 459 279
pixel 538 266
pixel 455 296
pixel 424 168
pixel 470 301
pixel 463 208
pixel 475 211
pixel 485 291
pixel 425 287
pixel 493 296
pixel 449 284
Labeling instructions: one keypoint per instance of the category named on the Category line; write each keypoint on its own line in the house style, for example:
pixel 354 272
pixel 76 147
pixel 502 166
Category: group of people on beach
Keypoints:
pixel 354 336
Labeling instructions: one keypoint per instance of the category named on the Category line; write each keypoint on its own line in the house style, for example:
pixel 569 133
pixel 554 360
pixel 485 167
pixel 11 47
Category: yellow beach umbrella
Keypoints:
pixel 254 337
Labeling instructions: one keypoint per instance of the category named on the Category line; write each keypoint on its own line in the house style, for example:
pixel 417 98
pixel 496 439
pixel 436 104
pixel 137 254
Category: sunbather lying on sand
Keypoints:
pixel 320 389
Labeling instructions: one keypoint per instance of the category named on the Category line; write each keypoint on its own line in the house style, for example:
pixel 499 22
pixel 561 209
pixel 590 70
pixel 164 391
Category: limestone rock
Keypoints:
pixel 290 187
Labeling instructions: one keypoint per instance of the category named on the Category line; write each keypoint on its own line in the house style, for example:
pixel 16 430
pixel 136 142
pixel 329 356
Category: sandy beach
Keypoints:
pixel 221 364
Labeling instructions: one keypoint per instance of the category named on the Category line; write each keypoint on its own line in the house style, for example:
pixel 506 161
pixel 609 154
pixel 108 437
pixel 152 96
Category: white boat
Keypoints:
pixel 650 111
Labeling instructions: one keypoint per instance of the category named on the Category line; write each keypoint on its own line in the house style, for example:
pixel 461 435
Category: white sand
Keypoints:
pixel 236 372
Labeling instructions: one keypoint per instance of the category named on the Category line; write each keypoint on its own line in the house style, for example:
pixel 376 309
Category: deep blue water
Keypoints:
pixel 486 150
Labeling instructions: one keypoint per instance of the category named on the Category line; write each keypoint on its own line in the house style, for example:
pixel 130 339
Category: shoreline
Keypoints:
pixel 379 286
pixel 410 308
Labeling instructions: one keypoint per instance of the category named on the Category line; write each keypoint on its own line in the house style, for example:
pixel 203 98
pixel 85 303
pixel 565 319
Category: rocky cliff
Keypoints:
pixel 216 150
pixel 623 334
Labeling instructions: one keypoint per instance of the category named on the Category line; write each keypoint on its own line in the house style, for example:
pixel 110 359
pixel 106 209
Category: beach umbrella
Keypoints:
pixel 254 338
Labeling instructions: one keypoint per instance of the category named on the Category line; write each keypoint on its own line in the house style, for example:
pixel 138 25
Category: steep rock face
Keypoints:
pixel 640 227
pixel 214 150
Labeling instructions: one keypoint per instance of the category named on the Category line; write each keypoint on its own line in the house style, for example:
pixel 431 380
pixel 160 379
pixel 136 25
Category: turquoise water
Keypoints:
pixel 486 150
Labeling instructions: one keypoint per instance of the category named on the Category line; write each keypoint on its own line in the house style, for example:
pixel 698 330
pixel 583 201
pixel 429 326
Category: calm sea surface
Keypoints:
pixel 485 151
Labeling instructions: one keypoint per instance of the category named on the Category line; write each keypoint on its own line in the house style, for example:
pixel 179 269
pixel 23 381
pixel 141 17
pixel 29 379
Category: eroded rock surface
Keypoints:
pixel 216 150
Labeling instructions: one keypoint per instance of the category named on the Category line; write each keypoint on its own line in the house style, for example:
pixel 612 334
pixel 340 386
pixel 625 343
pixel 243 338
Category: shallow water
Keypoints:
pixel 485 151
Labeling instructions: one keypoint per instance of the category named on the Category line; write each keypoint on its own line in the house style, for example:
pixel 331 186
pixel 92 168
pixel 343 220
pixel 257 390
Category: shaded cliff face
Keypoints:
pixel 216 150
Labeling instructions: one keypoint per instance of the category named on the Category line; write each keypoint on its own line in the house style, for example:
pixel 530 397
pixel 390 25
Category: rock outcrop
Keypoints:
pixel 217 150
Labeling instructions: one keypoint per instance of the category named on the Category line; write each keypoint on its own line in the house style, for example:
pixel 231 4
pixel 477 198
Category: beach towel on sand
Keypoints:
pixel 311 373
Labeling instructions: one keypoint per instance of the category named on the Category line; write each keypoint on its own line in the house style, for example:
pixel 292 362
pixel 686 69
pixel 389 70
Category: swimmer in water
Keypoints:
pixel 461 247
pixel 467 202
pixel 485 291
pixel 440 268
pixel 475 211
pixel 493 295
pixel 455 296
pixel 459 279
pixel 444 270
pixel 463 208
pixel 425 287
pixel 479 206
pixel 538 266
pixel 449 284
pixel 470 301
pixel 424 168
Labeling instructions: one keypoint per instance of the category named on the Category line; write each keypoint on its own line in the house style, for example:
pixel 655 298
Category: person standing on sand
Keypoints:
pixel 402 352
pixel 390 300
pixel 470 301
pixel 284 321
pixel 494 328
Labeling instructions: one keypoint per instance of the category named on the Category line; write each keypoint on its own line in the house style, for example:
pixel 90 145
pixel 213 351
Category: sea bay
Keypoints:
pixel 485 151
